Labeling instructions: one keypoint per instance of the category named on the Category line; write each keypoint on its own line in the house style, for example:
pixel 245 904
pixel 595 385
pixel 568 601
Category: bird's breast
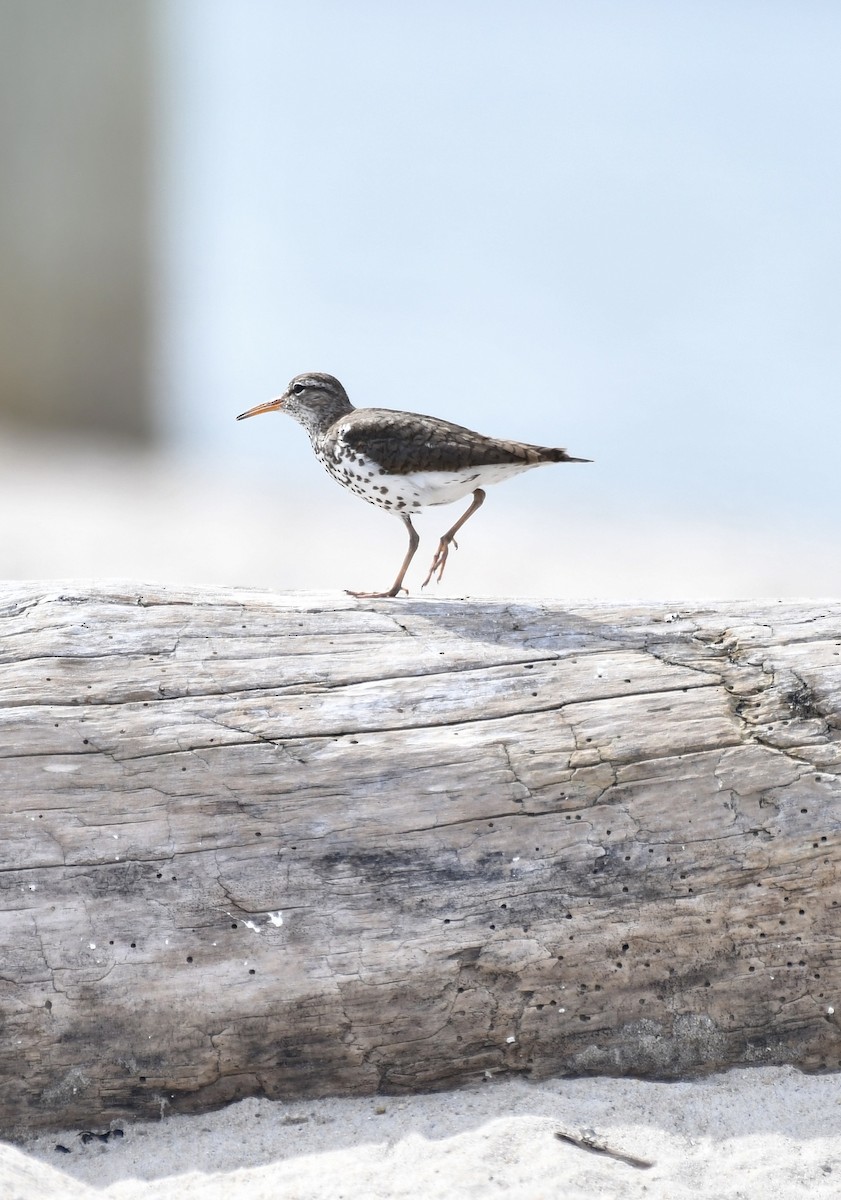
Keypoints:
pixel 415 489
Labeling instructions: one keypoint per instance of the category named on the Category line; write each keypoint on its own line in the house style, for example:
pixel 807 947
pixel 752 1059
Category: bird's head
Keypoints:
pixel 315 400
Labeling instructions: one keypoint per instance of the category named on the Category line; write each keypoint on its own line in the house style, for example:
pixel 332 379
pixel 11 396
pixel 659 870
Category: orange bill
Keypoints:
pixel 269 406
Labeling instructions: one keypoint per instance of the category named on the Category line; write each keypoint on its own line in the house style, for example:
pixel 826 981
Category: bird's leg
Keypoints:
pixel 397 587
pixel 440 559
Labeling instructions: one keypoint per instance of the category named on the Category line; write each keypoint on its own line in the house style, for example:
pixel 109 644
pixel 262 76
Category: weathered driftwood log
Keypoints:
pixel 292 845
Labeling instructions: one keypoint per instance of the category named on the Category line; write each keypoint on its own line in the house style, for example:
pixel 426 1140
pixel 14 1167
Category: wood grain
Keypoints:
pixel 304 845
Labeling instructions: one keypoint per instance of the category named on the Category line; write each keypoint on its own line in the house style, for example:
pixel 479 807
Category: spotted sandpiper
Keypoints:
pixel 402 461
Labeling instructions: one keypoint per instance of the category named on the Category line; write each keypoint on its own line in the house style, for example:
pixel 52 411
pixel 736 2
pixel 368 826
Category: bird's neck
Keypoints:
pixel 317 423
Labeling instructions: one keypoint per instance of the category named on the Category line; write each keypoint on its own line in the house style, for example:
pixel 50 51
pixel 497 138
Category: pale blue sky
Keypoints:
pixel 614 226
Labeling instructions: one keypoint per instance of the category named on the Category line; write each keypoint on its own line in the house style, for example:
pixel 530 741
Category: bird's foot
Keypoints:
pixel 440 560
pixel 389 595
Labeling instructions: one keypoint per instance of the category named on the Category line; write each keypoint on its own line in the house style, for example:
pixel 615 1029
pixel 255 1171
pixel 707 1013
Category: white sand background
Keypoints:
pixel 72 508
pixel 746 1134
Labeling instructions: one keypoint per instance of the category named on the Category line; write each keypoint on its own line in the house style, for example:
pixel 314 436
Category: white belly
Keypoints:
pixel 402 493
pixel 444 487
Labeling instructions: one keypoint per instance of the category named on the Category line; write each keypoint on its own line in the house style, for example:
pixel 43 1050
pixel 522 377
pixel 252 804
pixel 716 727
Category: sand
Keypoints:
pixel 81 510
pixel 765 1132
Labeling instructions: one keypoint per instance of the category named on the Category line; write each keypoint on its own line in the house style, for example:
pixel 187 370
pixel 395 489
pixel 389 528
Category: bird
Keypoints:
pixel 402 461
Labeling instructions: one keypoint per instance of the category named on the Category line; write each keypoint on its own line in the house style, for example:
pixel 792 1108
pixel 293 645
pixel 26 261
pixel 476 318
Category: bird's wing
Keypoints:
pixel 403 442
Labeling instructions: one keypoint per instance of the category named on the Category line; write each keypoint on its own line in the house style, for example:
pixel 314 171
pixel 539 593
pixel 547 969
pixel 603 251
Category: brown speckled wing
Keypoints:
pixel 405 442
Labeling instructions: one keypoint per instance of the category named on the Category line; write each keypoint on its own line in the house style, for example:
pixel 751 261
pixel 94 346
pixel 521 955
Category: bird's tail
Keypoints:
pixel 556 454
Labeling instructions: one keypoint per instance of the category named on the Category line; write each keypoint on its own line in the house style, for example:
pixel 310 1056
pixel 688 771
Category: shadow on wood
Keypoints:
pixel 300 846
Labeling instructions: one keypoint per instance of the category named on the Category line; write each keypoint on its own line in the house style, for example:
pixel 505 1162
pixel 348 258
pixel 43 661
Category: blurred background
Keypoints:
pixel 612 225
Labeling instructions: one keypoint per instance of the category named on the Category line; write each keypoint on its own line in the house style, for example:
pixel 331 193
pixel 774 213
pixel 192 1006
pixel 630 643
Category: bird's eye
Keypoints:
pixel 297 389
